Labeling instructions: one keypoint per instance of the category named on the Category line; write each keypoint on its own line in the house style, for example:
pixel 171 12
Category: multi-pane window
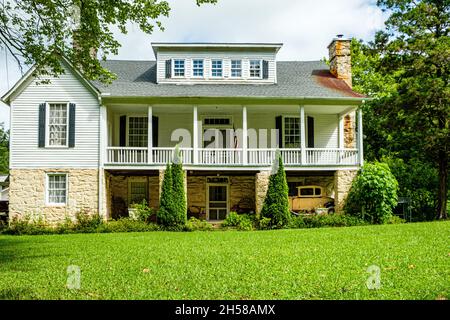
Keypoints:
pixel 197 68
pixel 292 132
pixel 178 67
pixel 57 188
pixel 216 68
pixel 236 68
pixel 57 124
pixel 138 191
pixel 255 68
pixel 137 131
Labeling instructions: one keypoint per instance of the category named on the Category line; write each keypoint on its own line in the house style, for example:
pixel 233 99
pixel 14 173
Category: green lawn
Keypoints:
pixel 328 263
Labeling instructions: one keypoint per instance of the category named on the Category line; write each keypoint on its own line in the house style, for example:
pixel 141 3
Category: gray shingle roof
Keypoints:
pixel 295 79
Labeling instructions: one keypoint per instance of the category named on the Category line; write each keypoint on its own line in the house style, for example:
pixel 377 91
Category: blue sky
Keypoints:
pixel 305 27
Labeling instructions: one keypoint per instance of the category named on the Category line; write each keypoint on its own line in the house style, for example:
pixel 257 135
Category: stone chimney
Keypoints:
pixel 340 59
pixel 76 46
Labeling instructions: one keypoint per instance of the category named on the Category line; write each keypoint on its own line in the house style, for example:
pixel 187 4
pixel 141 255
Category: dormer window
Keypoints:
pixel 236 68
pixel 178 67
pixel 197 67
pixel 216 68
pixel 255 68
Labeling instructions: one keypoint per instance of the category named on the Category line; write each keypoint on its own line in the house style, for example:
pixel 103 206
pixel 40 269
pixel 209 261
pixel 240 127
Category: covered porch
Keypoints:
pixel 232 135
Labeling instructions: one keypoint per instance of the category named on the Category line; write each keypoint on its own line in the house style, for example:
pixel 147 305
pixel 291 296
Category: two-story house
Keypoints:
pixel 81 145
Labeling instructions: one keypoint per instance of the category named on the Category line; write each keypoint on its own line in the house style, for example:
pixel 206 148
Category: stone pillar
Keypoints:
pixel 342 183
pixel 261 186
pixel 105 195
pixel 349 130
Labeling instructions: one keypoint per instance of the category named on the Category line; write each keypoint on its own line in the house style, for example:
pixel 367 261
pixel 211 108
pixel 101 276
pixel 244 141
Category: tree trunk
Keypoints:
pixel 442 192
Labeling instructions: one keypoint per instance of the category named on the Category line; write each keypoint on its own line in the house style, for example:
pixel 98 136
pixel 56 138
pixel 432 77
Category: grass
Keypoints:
pixel 326 263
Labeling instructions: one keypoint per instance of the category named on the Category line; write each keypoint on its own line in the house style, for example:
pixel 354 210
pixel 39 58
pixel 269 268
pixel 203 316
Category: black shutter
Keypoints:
pixel 168 69
pixel 265 69
pixel 41 134
pixel 310 132
pixel 71 125
pixel 123 131
pixel 155 131
pixel 279 127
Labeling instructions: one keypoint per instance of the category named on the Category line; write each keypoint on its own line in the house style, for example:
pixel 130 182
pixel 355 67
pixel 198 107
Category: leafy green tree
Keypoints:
pixel 165 215
pixel 178 190
pixel 415 50
pixel 373 194
pixel 276 203
pixel 36 32
pixel 4 150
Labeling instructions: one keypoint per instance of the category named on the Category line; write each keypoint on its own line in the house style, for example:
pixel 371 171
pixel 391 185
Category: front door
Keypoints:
pixel 217 201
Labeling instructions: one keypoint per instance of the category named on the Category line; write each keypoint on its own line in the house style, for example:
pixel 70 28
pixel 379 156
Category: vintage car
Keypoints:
pixel 311 199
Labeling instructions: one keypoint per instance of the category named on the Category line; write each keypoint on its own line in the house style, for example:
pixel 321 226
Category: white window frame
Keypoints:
pixel 231 69
pixel 47 188
pixel 221 69
pixel 128 128
pixel 173 68
pixel 138 180
pixel 250 69
pixel 283 127
pixel 47 125
pixel 193 68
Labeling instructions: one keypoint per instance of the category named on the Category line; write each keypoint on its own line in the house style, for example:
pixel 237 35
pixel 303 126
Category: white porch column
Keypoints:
pixel 360 138
pixel 103 158
pixel 195 134
pixel 341 131
pixel 244 135
pixel 302 135
pixel 150 135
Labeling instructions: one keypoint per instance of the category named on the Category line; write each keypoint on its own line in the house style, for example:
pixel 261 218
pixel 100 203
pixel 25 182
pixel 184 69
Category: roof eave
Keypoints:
pixel 355 101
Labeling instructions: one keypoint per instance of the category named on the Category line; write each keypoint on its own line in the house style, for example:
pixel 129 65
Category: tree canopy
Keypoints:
pixel 407 70
pixel 37 32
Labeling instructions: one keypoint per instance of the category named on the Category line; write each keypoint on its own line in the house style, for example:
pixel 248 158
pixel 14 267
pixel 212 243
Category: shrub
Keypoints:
pixel 178 190
pixel 86 222
pixel 264 223
pixel 276 203
pixel 418 181
pixel 373 194
pixel 195 224
pixel 127 225
pixel 164 215
pixel 395 220
pixel 27 226
pixel 243 222
pixel 325 220
pixel 142 211
pixel 172 212
pixel 232 220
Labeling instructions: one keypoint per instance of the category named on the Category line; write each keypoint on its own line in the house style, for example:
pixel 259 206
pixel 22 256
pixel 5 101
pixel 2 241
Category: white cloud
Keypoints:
pixel 305 27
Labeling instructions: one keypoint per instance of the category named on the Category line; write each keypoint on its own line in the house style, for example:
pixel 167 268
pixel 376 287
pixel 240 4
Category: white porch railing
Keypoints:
pixel 127 155
pixel 224 157
pixel 209 156
pixel 325 156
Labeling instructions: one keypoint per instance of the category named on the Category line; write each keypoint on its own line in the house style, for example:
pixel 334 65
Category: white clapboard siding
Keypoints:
pixel 325 131
pixel 207 57
pixel 25 152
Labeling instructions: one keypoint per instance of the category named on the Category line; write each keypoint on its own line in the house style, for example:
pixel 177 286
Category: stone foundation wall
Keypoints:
pixel 342 183
pixel 27 196
pixel 118 193
pixel 242 188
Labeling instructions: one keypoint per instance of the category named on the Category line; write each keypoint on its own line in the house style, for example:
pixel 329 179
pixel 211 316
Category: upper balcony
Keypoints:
pixel 231 136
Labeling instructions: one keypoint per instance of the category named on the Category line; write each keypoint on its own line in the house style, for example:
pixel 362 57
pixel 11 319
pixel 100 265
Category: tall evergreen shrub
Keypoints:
pixel 276 203
pixel 165 212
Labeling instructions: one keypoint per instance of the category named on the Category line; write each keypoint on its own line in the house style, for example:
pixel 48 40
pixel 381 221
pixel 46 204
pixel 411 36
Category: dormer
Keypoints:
pixel 218 63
